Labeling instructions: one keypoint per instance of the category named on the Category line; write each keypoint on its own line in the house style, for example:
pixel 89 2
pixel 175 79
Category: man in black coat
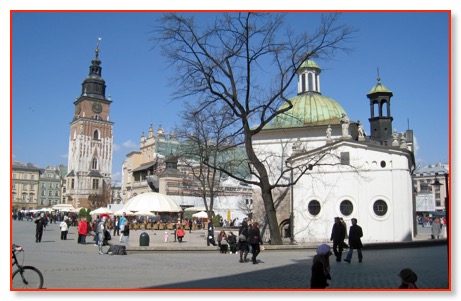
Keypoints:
pixel 338 233
pixel 355 233
pixel 40 221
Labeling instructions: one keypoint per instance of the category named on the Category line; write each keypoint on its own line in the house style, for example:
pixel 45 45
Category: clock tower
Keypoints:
pixel 90 143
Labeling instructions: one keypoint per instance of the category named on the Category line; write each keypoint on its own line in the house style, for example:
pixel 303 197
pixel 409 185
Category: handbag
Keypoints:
pixel 242 237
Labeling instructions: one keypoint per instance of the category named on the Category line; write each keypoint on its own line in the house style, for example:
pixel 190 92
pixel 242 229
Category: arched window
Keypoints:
pixel 96 135
pixel 303 82
pixel 310 82
pixel 94 163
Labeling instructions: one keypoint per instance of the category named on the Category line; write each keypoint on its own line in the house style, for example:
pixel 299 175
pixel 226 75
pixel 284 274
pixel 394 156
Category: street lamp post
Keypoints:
pixel 447 200
pixel 292 236
pixel 447 212
pixel 447 205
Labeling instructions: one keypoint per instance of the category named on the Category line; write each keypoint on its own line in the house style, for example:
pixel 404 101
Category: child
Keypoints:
pixel 165 236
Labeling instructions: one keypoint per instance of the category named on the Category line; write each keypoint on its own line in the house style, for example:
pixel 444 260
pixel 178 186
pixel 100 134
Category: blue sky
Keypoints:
pixel 52 52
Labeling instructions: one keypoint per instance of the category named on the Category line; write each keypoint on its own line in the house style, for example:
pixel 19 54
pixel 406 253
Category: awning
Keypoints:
pixel 195 209
pixel 145 166
pixel 63 207
pixel 201 214
pixel 152 201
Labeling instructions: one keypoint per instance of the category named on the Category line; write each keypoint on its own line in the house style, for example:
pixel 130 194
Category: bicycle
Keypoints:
pixel 25 276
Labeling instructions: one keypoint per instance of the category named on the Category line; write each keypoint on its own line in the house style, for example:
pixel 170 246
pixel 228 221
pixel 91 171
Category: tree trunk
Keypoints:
pixel 276 238
pixel 266 190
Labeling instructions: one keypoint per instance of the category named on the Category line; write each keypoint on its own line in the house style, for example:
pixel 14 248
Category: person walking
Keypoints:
pixel 408 279
pixel 255 241
pixel 64 229
pixel 243 241
pixel 355 233
pixel 321 267
pixel 123 222
pixel 190 225
pixel 95 230
pixel 345 246
pixel 436 228
pixel 40 224
pixel 116 226
pixel 126 234
pixel 338 233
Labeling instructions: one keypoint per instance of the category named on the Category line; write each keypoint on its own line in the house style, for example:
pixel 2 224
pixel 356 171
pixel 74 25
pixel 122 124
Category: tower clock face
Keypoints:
pixel 97 107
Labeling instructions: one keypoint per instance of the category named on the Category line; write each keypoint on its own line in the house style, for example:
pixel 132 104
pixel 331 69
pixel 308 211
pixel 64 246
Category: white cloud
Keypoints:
pixel 65 156
pixel 116 147
pixel 129 144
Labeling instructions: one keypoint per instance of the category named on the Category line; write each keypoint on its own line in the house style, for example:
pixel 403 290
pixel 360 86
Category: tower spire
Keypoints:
pixel 97 48
pixel 94 85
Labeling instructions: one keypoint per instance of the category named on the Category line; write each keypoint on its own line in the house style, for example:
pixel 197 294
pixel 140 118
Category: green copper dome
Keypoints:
pixel 309 109
pixel 309 64
pixel 379 88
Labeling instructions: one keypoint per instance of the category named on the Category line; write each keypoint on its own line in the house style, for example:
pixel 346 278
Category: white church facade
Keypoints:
pixel 349 174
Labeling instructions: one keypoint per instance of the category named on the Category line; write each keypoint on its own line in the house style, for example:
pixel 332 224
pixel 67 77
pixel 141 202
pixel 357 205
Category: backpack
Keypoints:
pixel 117 250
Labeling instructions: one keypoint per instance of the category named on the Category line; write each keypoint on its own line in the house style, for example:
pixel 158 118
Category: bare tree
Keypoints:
pixel 246 63
pixel 100 199
pixel 205 140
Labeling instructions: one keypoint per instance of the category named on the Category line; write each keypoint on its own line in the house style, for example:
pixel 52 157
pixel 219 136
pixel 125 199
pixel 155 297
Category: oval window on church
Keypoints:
pixel 314 207
pixel 346 207
pixel 380 208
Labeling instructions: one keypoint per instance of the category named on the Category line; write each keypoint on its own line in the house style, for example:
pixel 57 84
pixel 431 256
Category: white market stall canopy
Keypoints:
pixel 144 213
pixel 77 210
pixel 195 209
pixel 152 201
pixel 201 214
pixel 121 211
pixel 63 207
pixel 102 210
pixel 46 210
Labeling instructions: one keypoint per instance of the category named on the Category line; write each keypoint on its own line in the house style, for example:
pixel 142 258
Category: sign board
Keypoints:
pixel 425 202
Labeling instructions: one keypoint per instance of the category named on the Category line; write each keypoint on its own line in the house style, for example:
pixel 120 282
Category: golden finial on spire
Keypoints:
pixel 97 47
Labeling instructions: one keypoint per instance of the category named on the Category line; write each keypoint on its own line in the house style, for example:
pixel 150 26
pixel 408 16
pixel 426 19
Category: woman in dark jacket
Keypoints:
pixel 255 241
pixel 321 267
pixel 243 241
pixel 232 241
